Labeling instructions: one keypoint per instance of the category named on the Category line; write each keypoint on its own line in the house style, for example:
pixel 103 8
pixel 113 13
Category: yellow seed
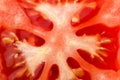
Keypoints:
pixel 105 41
pixel 75 19
pixel 91 5
pixel 16 56
pixel 14 36
pixel 78 72
pixel 19 64
pixel 7 40
pixel 102 53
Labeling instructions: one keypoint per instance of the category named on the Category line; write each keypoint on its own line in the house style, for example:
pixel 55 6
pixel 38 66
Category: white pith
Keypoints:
pixel 36 55
pixel 69 42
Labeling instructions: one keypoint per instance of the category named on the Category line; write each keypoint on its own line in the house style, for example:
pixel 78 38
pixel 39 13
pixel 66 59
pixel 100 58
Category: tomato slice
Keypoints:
pixel 59 39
